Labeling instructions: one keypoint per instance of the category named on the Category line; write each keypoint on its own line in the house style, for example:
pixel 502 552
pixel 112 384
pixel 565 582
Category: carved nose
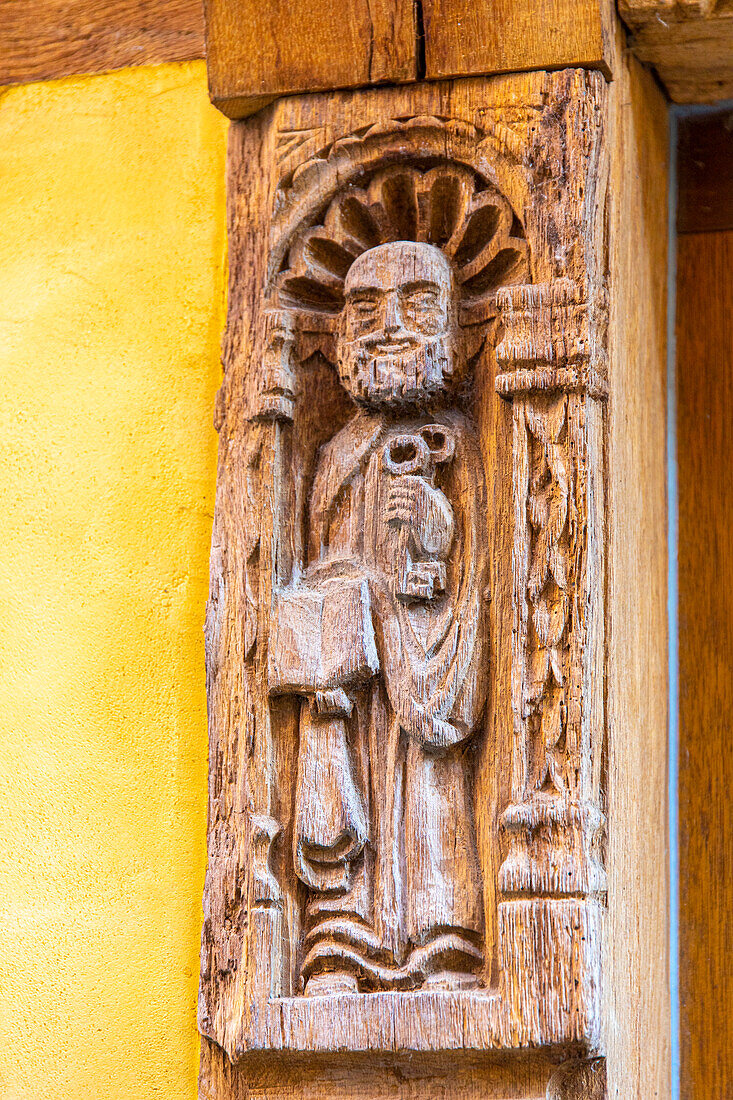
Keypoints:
pixel 392 315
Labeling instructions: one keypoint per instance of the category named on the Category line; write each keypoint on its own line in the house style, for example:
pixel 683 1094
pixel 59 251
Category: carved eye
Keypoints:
pixel 419 300
pixel 363 306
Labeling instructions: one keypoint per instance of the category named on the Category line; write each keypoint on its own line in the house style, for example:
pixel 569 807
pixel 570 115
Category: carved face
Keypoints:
pixel 395 342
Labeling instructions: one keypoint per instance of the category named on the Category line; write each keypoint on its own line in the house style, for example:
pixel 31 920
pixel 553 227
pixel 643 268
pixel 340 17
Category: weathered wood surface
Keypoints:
pixel 422 266
pixel 47 39
pixel 689 43
pixel 705 461
pixel 406 1077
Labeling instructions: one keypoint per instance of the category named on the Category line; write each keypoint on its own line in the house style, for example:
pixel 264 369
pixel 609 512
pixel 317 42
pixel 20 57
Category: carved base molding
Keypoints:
pixel 531 1009
pixel 462 1075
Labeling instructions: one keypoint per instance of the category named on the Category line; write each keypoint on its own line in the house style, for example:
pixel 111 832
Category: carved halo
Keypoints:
pixel 449 206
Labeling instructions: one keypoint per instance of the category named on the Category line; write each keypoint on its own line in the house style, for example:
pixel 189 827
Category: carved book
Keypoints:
pixel 405 633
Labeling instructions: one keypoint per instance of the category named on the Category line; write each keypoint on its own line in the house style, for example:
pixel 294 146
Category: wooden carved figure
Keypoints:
pixel 405 634
pixel 382 635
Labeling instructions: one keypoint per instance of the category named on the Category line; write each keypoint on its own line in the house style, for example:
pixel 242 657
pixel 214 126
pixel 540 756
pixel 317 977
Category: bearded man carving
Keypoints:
pixel 384 638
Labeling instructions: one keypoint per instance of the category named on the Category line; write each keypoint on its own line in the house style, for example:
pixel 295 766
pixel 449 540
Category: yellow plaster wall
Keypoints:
pixel 112 244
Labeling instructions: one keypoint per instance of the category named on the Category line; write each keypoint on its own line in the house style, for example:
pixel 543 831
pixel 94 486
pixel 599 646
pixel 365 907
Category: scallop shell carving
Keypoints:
pixel 447 206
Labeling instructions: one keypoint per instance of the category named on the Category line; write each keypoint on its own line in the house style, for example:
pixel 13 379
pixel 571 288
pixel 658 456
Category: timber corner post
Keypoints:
pixel 408 623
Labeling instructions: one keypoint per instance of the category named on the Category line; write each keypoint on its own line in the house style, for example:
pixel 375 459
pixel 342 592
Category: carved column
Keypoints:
pixel 552 366
pixel 270 418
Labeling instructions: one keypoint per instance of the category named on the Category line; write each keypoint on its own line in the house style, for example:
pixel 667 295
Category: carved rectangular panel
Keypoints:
pixel 405 633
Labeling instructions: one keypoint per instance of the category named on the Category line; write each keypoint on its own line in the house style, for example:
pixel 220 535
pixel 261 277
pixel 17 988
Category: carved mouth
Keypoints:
pixel 392 347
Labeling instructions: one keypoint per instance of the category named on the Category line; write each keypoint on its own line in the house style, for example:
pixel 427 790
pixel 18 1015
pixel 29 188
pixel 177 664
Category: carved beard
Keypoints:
pixel 403 378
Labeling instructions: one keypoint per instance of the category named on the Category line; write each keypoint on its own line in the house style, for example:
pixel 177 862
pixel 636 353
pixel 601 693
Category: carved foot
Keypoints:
pixel 333 981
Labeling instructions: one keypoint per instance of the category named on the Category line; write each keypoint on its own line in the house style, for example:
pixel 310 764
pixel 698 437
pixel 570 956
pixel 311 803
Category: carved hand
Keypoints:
pixel 413 500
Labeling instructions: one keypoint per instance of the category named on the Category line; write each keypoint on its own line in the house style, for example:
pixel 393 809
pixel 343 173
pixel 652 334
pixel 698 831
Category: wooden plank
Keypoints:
pixel 705 461
pixel 689 42
pixel 636 981
pixel 463 37
pixel 705 172
pixel 259 50
pixel 46 39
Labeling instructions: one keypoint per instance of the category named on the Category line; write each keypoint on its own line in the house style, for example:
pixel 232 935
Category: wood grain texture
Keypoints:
pixel 636 1007
pixel 705 462
pixel 463 37
pixel 257 51
pixel 47 39
pixel 689 43
pixel 705 172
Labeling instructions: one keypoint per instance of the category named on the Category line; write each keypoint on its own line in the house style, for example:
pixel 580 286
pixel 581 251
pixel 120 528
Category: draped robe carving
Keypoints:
pixel 383 637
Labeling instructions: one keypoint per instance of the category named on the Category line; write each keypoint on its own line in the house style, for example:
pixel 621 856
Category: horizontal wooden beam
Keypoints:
pixel 258 50
pixel 471 37
pixel 689 43
pixel 46 39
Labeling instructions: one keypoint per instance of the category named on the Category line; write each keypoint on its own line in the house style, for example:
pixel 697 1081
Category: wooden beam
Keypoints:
pixel 689 42
pixel 636 987
pixel 46 39
pixel 464 37
pixel 258 50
